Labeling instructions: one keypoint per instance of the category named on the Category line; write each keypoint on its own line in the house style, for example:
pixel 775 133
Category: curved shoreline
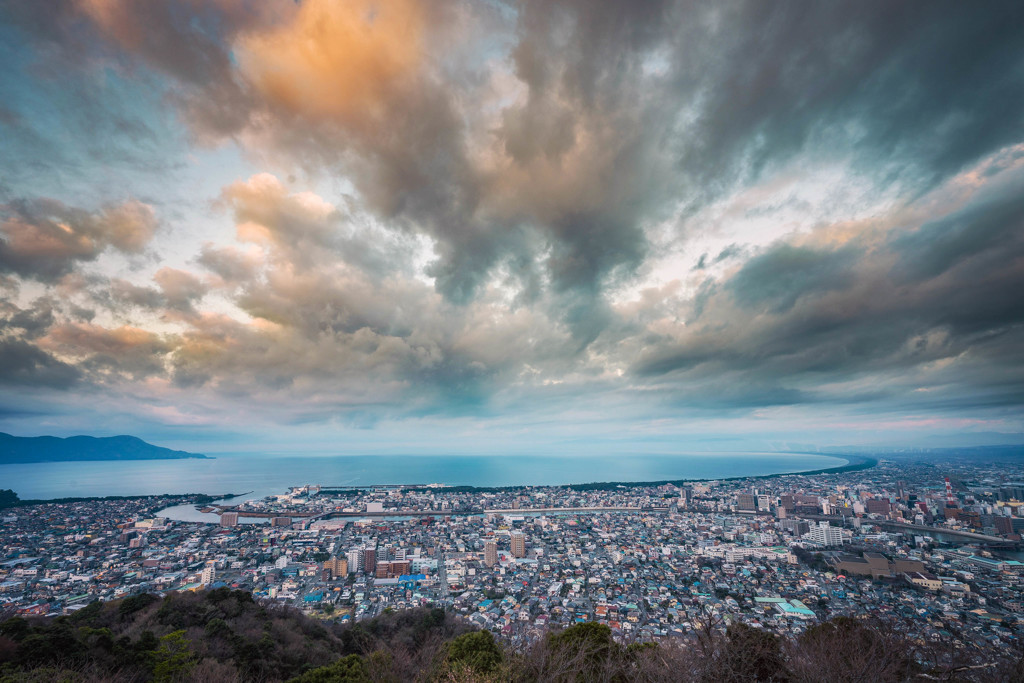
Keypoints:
pixel 853 463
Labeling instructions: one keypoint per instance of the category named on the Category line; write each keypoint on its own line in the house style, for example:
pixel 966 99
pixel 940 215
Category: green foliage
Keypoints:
pixel 233 636
pixel 43 674
pixel 57 644
pixel 8 498
pixel 135 603
pixel 350 669
pixel 589 645
pixel 477 650
pixel 634 650
pixel 173 660
pixel 87 614
pixel 217 628
pixel 15 628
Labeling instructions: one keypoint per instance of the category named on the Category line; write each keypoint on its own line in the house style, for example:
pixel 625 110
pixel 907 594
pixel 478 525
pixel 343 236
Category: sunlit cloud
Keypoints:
pixel 652 220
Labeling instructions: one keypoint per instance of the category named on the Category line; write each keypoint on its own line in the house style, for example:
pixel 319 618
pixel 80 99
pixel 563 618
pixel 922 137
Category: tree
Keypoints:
pixel 846 649
pixel 350 669
pixel 173 660
pixel 8 498
pixel 477 650
pixel 753 654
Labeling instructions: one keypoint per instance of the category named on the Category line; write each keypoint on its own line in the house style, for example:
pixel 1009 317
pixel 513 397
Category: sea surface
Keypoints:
pixel 264 475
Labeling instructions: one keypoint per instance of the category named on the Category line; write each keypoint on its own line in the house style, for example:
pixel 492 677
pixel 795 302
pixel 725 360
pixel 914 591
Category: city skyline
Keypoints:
pixel 401 226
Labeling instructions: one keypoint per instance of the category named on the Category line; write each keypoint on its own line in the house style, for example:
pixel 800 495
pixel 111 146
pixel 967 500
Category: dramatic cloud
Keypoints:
pixel 44 238
pixel 651 215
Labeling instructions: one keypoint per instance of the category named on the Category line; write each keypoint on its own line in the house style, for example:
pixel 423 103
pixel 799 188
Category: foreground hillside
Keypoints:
pixel 224 636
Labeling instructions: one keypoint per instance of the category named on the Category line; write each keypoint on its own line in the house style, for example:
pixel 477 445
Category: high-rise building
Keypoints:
pixel 229 519
pixel 878 506
pixel 518 544
pixel 209 574
pixel 824 534
pixel 746 502
pixel 797 527
pixel 1003 525
pixel 338 566
pixel 1011 491
pixel 370 560
pixel 280 521
pixel 764 503
pixel 685 496
pixel 490 553
pixel 355 560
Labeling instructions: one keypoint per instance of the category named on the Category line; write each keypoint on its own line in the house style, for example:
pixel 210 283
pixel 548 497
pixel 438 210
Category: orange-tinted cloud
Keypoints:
pixel 343 62
pixel 44 238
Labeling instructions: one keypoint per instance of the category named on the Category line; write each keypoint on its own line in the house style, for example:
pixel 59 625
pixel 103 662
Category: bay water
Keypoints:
pixel 264 475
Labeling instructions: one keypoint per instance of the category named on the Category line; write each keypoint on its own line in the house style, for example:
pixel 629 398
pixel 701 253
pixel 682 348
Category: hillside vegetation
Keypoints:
pixel 224 636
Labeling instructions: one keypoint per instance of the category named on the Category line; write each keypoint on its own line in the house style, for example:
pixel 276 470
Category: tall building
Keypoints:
pixel 1011 491
pixel 209 574
pixel 1003 525
pixel 824 534
pixel 518 544
pixel 686 495
pixel 764 503
pixel 370 560
pixel 490 553
pixel 229 519
pixel 338 566
pixel 355 560
pixel 746 502
pixel 797 527
pixel 878 506
pixel 391 570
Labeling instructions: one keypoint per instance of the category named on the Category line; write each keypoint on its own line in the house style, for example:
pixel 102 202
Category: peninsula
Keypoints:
pixel 20 449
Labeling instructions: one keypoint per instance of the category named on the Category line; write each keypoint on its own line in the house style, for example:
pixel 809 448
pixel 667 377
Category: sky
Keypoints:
pixel 433 226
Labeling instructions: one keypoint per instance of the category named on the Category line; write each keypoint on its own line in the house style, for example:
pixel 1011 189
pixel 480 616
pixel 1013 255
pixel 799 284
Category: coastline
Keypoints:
pixel 195 498
pixel 853 463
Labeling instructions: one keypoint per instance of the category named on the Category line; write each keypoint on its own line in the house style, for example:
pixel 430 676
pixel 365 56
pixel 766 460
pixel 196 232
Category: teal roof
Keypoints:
pixel 791 609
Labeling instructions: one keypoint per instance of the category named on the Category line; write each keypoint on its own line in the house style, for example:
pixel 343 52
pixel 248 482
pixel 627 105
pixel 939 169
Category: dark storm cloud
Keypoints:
pixel 910 91
pixel 549 162
pixel 804 316
pixel 24 364
pixel 775 280
pixel 33 321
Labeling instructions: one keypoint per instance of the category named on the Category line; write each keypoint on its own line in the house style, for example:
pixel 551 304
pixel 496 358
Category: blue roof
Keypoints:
pixel 792 609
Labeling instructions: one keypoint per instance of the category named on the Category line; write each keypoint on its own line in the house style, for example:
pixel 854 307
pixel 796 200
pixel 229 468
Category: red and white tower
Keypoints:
pixel 950 498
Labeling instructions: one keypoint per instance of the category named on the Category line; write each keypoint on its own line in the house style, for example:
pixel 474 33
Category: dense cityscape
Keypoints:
pixel 929 546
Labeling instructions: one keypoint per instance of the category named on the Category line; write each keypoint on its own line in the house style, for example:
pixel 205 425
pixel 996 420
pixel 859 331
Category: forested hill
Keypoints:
pixel 225 636
pixel 27 449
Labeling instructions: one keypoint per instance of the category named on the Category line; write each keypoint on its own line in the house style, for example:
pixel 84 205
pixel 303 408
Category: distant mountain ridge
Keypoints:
pixel 29 449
